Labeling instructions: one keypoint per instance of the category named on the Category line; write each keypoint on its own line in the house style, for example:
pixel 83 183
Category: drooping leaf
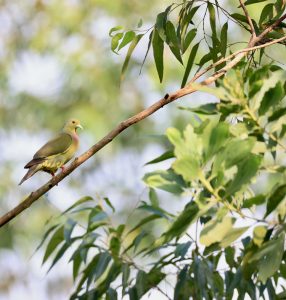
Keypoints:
pixel 131 48
pixel 172 41
pixel 56 239
pixel 190 64
pixel 275 198
pixel 182 222
pixel 188 39
pixel 145 282
pixel 158 52
pixel 223 39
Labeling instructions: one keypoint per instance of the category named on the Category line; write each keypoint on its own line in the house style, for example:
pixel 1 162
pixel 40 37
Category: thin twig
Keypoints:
pixel 224 59
pixel 248 18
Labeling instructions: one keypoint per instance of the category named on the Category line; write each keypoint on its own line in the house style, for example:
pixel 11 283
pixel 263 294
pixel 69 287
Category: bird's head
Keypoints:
pixel 72 125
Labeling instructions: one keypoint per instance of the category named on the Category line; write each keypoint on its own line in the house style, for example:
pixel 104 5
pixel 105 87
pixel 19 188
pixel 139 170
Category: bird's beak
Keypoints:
pixel 79 126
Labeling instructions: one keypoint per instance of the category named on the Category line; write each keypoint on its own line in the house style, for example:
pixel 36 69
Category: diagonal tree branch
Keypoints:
pixel 188 89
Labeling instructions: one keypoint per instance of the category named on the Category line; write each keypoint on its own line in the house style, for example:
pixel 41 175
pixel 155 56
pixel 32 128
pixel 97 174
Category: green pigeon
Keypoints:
pixel 55 153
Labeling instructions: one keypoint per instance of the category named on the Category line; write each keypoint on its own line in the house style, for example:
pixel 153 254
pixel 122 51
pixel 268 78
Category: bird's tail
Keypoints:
pixel 31 172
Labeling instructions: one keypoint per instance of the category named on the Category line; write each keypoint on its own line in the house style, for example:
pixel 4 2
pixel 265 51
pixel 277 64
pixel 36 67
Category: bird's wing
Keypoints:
pixel 58 145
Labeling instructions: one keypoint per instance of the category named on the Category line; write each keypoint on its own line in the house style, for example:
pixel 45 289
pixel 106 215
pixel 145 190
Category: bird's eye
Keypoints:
pixel 73 122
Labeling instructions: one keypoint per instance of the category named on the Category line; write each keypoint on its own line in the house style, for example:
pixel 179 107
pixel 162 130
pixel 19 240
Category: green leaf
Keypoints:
pixel 166 155
pixel 161 25
pixel 183 288
pixel 266 14
pixel 217 139
pixel 248 2
pixel 189 38
pixel 268 84
pixel 76 265
pixel 212 20
pixel 144 221
pixel 165 180
pixel 269 257
pixel 56 239
pixel 128 38
pixel 271 98
pixel 232 236
pixel 277 114
pixel 158 52
pixel 188 167
pixel 257 200
pixel 275 198
pixel 190 63
pixel 259 233
pixel 108 202
pixel 246 170
pixel 215 231
pixel 68 228
pixel 172 41
pixel 125 277
pixel 46 235
pixel 60 253
pixel 223 39
pixel 115 41
pixel 79 202
pixel 233 153
pixel 145 282
pixel 182 249
pixel 131 48
pixel 111 294
pixel 182 222
pixel 153 197
pixel 114 29
pixel 206 109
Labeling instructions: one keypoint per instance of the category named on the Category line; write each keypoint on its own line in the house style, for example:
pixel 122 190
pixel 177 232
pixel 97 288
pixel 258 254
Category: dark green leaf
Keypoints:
pixel 274 200
pixel 158 52
pixel 56 239
pixel 248 2
pixel 182 222
pixel 257 200
pixel 247 169
pixel 161 25
pixel 108 202
pixel 190 64
pixel 271 98
pixel 188 39
pixel 167 155
pixel 145 282
pixel 266 14
pixel 111 294
pixel 79 202
pixel 223 39
pixel 206 109
pixel 172 41
pixel 128 38
pixel 115 41
pixel 131 48
pixel 68 228
pixel 60 253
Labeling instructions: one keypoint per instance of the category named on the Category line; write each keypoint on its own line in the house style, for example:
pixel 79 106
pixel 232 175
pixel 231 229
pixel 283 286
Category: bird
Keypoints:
pixel 56 152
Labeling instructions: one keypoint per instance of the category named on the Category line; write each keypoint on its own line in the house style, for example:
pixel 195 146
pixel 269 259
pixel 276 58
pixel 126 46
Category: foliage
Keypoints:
pixel 217 162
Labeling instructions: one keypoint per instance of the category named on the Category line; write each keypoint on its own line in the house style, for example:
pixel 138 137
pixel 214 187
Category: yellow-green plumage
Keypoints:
pixel 55 153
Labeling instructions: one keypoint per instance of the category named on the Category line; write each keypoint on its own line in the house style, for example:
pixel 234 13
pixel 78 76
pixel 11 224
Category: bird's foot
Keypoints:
pixel 53 175
pixel 63 168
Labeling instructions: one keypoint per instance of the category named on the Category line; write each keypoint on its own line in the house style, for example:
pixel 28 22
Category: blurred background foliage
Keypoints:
pixel 56 63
